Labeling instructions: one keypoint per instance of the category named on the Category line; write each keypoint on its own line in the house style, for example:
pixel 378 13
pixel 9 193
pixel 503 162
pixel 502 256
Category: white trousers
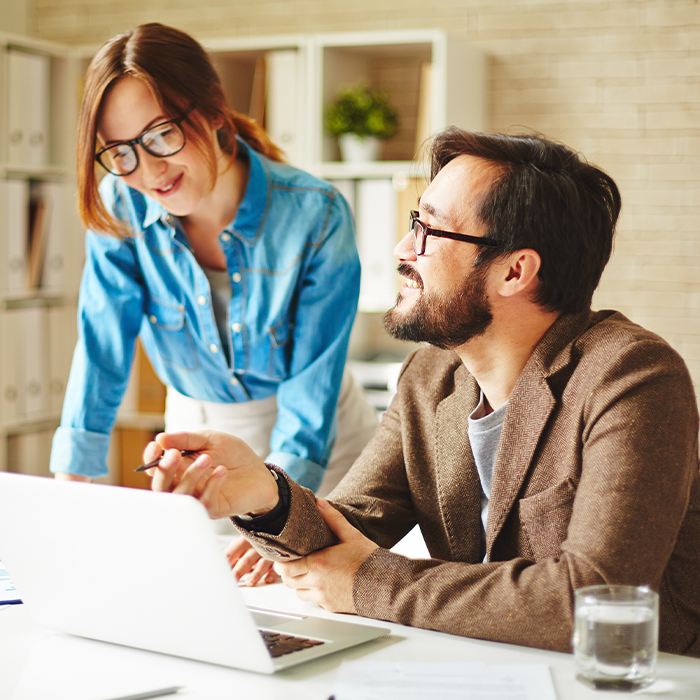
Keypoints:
pixel 253 422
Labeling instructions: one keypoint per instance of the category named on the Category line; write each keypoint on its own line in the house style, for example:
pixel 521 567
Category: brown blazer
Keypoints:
pixel 596 481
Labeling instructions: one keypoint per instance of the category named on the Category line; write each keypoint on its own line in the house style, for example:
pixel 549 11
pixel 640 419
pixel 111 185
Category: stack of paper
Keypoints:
pixel 377 680
pixel 8 592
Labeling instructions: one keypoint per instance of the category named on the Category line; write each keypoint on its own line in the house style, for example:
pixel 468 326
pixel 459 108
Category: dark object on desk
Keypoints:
pixel 156 462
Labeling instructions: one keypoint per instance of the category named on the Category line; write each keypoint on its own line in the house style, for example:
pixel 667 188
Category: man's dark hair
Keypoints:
pixel 546 197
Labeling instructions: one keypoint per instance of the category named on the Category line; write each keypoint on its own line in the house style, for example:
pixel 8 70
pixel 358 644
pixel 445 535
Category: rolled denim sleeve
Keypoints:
pixel 304 434
pixel 109 317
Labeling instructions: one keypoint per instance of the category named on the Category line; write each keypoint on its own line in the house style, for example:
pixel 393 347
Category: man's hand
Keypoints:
pixel 326 576
pixel 223 473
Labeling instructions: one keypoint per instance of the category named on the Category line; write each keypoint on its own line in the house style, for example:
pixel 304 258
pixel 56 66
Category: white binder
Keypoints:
pixel 63 335
pixel 35 362
pixel 28 108
pixel 29 453
pixel 282 104
pixel 11 393
pixel 346 187
pixel 53 279
pixel 376 238
pixel 15 195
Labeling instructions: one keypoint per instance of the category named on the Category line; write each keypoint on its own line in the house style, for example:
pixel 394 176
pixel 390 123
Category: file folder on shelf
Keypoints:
pixel 28 108
pixel 15 196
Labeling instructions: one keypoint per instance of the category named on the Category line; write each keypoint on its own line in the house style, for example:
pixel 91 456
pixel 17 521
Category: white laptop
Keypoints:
pixel 145 570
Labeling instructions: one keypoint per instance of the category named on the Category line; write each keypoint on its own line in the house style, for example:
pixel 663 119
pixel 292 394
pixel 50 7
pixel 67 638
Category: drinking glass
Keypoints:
pixel 616 632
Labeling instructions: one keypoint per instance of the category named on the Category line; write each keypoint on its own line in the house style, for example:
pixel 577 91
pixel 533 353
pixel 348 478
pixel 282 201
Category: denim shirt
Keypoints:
pixel 295 272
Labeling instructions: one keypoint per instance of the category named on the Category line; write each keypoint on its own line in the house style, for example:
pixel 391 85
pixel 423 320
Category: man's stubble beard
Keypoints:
pixel 446 322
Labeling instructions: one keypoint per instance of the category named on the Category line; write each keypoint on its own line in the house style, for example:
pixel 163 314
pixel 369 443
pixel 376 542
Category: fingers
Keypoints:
pixel 292 571
pixel 153 451
pixel 183 441
pixel 245 563
pixel 173 475
pixel 236 549
pixel 190 479
pixel 163 475
pixel 262 572
pixel 209 494
pixel 336 521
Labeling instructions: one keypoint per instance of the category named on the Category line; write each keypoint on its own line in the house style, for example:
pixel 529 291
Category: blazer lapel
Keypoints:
pixel 457 480
pixel 529 408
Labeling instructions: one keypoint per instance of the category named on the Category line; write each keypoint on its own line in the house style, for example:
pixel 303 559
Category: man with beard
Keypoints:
pixel 540 446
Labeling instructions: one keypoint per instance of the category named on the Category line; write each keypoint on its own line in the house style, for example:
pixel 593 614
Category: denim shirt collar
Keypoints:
pixel 252 210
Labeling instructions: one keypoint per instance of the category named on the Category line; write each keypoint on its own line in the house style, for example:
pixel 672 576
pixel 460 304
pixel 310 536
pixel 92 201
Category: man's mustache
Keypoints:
pixel 408 272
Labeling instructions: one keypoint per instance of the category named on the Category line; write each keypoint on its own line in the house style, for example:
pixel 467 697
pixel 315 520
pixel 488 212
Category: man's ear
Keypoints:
pixel 520 272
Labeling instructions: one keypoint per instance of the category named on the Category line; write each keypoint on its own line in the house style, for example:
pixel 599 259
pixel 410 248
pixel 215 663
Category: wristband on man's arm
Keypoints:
pixel 271 523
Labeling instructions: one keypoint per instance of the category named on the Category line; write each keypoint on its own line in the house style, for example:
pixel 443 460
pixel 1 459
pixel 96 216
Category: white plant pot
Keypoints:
pixel 359 149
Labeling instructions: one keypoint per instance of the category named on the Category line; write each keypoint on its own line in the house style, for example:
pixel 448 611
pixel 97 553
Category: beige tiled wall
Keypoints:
pixel 618 80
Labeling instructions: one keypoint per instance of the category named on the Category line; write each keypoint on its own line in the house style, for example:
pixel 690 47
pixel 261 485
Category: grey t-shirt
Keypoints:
pixel 220 284
pixel 484 436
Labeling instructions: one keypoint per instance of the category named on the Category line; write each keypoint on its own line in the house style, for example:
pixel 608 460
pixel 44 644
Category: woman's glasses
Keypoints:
pixel 162 140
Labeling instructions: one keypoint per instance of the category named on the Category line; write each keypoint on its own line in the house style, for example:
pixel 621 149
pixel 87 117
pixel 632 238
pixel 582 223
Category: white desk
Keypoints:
pixel 36 664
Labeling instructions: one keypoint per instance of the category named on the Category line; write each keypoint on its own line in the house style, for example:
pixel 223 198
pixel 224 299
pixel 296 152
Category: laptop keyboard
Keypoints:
pixel 282 644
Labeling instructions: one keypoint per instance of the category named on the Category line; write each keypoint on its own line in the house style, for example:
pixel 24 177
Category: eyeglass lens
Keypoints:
pixel 162 140
pixel 418 236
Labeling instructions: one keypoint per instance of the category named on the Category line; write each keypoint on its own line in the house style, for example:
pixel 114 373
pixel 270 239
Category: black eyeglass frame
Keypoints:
pixel 427 231
pixel 139 140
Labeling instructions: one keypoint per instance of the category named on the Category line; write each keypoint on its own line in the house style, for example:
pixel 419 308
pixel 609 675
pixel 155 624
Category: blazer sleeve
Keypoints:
pixel 638 470
pixel 635 465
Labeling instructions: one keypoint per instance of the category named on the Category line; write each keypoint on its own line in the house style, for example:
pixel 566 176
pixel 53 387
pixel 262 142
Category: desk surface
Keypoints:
pixel 36 664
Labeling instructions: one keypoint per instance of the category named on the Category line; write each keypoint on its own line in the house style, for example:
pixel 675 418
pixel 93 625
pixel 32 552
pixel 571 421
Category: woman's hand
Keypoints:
pixel 223 473
pixel 248 564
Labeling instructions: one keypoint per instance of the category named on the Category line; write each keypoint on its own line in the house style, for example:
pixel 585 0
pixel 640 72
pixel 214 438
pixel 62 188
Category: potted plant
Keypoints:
pixel 360 118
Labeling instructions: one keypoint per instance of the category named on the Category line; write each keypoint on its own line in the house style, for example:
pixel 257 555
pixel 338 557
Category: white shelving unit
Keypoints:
pixel 432 78
pixel 37 320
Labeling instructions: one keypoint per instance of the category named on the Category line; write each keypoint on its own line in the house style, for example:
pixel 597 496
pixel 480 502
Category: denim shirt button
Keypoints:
pixel 201 300
pixel 225 237
pixel 233 381
pixel 214 348
pixel 236 327
pixel 236 276
pixel 152 319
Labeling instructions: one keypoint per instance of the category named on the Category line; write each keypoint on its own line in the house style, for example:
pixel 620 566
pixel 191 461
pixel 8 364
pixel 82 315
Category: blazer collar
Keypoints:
pixel 529 408
pixel 457 479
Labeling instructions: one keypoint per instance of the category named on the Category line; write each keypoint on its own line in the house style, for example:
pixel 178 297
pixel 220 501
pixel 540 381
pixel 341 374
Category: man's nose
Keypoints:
pixel 404 248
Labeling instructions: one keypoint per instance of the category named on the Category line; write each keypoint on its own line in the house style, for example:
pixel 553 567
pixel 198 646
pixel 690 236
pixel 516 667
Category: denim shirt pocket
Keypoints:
pixel 280 349
pixel 172 338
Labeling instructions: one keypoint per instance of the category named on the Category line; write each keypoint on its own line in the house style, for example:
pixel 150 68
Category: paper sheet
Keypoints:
pixel 8 592
pixel 377 680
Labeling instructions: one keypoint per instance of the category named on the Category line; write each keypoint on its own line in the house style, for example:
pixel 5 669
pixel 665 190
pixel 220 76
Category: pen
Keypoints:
pixel 156 462
pixel 152 693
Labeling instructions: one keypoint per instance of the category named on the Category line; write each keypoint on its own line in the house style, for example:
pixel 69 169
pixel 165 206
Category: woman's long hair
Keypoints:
pixel 180 75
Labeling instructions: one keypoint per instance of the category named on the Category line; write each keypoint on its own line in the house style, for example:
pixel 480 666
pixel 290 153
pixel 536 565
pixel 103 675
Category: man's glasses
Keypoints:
pixel 162 140
pixel 421 233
